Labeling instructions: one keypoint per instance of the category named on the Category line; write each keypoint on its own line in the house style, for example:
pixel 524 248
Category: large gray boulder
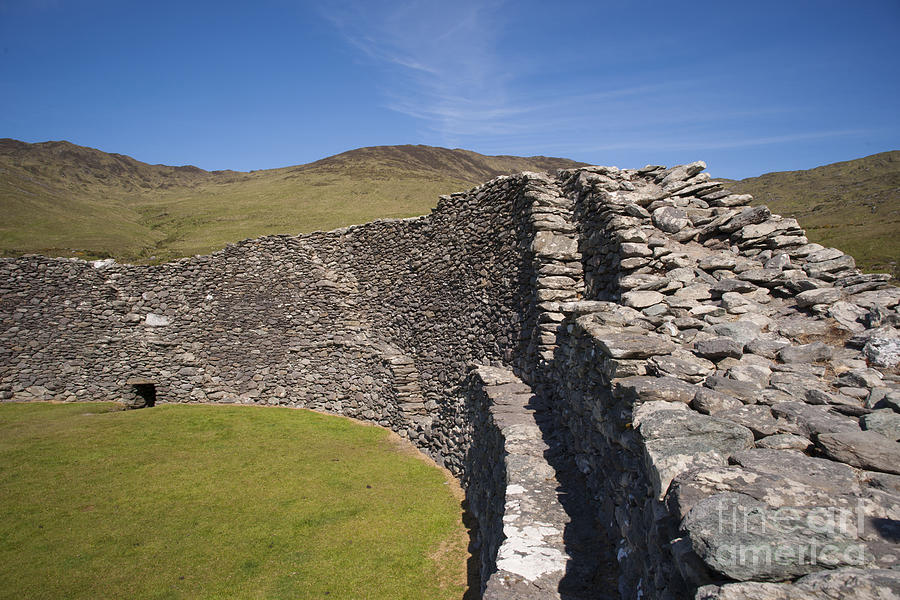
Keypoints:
pixel 718 348
pixel 746 539
pixel 883 351
pixel 629 344
pixel 805 353
pixel 670 219
pixel 884 421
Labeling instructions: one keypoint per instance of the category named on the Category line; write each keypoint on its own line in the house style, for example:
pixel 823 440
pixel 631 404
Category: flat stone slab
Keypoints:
pixel 741 331
pixel 805 353
pixel 678 440
pixel 846 584
pixel 718 348
pixel 630 345
pixel 819 296
pixel 885 421
pixel 813 419
pixel 711 402
pixel 692 370
pixel 642 299
pixel 817 472
pixel 744 539
pixel 745 391
pixel 883 351
pixel 652 389
pixel 784 441
pixel 551 245
pixel 864 449
pixel 724 286
pixel 755 417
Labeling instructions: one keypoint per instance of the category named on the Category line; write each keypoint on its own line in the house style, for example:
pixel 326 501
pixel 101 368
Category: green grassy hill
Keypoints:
pixel 853 205
pixel 60 199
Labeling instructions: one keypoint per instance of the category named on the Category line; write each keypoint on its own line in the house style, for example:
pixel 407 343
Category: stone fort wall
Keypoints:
pixel 613 361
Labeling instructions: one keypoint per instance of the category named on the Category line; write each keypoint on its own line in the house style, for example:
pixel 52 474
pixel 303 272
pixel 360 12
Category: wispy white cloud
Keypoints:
pixel 445 65
pixel 440 58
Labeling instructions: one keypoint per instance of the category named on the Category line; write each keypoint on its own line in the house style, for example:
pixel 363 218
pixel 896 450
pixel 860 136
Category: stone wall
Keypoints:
pixel 724 385
pixel 376 322
pixel 640 344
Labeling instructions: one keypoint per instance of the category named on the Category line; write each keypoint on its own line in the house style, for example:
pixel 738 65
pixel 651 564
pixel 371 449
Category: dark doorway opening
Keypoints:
pixel 146 391
pixel 143 393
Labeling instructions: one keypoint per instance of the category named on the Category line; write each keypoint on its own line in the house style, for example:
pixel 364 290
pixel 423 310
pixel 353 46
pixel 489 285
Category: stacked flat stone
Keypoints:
pixel 698 356
pixel 736 370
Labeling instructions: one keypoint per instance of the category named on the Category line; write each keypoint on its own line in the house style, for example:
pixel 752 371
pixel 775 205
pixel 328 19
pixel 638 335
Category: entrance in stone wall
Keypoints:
pixel 143 393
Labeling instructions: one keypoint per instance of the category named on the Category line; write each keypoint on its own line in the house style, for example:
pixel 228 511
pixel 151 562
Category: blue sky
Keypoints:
pixel 750 87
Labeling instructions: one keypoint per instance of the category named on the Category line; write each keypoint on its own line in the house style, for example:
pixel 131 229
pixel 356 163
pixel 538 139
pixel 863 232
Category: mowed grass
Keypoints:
pixel 191 501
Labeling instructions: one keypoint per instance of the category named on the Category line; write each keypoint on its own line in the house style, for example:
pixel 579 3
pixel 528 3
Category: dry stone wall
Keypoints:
pixel 649 388
pixel 376 322
pixel 512 490
pixel 724 385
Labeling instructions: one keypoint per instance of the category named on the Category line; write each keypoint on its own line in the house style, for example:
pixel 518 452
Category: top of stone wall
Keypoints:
pixel 761 372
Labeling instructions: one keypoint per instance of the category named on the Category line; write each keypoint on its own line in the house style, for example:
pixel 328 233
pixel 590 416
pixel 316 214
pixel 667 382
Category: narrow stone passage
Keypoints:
pixel 551 545
pixel 591 570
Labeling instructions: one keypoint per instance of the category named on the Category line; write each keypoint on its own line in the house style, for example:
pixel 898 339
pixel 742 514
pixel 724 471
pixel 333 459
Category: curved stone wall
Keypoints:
pixel 620 364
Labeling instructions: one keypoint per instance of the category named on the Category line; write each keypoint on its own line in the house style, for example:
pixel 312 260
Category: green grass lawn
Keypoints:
pixel 188 501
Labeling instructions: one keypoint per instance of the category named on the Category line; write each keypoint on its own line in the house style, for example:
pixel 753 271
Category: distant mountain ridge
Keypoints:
pixel 82 162
pixel 456 163
pixel 852 205
pixel 62 199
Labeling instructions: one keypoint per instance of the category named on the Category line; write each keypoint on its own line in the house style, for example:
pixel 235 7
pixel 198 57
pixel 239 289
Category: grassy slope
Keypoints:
pixel 214 502
pixel 62 199
pixel 853 205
